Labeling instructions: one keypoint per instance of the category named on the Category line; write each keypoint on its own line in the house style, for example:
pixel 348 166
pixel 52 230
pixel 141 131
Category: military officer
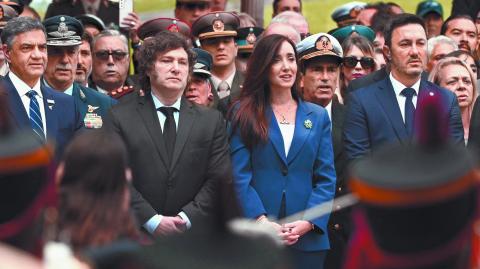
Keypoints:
pixel 320 61
pixel 216 32
pixel 347 14
pixel 199 89
pixel 63 41
pixel 246 39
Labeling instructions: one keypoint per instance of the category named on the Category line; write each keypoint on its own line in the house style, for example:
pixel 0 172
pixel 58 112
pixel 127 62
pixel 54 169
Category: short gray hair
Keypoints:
pixel 18 26
pixel 113 33
pixel 440 39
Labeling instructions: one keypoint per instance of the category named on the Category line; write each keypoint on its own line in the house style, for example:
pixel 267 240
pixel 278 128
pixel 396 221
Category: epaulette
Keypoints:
pixel 117 94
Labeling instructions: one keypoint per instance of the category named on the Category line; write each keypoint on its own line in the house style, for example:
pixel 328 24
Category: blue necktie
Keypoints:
pixel 35 116
pixel 409 110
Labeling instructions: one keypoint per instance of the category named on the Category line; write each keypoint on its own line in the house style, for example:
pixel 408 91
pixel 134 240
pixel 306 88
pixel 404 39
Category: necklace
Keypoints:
pixel 283 120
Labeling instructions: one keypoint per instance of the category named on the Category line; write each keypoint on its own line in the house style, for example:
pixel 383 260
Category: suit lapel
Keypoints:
pixel 388 100
pixel 148 113
pixel 301 132
pixel 275 135
pixel 16 107
pixel 185 123
pixel 50 115
pixel 236 85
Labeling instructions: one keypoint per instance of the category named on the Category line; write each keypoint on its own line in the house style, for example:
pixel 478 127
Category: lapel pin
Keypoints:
pixel 50 103
pixel 308 124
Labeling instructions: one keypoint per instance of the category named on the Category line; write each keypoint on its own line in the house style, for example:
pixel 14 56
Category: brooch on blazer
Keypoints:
pixel 308 124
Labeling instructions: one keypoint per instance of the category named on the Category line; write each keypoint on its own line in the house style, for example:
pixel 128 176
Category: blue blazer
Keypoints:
pixel 62 118
pixel 85 97
pixel 374 118
pixel 306 175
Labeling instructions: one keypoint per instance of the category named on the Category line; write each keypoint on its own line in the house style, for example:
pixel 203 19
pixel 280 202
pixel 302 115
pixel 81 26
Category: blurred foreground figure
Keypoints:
pixel 94 194
pixel 26 190
pixel 417 207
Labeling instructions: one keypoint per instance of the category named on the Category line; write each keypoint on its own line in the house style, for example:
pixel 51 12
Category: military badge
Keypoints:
pixel 324 44
pixel 251 37
pixel 91 109
pixel 173 27
pixel 218 25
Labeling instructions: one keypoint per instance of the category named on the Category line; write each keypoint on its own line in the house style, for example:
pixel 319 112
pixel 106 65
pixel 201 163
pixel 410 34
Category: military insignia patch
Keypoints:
pixel 324 44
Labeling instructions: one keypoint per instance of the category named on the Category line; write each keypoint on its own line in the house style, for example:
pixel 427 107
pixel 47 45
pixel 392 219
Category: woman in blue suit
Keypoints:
pixel 282 151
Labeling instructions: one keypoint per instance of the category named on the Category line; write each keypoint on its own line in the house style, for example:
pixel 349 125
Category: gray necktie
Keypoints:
pixel 223 90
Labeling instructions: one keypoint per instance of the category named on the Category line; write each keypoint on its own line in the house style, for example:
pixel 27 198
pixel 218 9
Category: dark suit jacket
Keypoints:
pixel 200 158
pixel 373 117
pixel 474 130
pixel 339 223
pixel 87 97
pixel 109 14
pixel 61 115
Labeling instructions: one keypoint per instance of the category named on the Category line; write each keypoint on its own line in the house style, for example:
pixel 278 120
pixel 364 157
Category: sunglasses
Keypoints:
pixel 117 55
pixel 365 62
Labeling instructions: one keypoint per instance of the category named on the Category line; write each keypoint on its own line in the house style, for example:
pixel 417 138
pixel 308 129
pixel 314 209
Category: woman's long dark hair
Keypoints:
pixel 248 114
pixel 93 191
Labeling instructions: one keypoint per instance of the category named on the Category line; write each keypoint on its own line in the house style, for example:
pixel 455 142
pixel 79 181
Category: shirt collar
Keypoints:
pixel 68 91
pixel 159 104
pixel 329 109
pixel 398 86
pixel 216 81
pixel 22 87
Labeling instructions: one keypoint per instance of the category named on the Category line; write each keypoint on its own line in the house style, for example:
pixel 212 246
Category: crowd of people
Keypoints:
pixel 207 141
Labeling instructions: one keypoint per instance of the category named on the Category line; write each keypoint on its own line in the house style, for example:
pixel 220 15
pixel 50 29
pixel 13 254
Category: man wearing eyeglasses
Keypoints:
pixel 320 57
pixel 110 65
pixel 190 10
pixel 63 42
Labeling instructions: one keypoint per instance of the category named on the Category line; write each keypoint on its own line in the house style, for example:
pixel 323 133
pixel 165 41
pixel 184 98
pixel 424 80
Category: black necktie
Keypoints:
pixel 409 110
pixel 169 129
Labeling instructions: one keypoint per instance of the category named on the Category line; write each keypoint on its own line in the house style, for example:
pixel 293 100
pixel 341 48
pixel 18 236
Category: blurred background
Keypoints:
pixel 317 12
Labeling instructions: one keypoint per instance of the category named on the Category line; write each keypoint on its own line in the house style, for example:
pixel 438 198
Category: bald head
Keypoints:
pixel 283 29
pixel 294 19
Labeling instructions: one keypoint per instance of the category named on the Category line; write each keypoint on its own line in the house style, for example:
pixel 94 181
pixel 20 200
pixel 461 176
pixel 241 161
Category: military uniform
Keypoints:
pixel 92 106
pixel 214 25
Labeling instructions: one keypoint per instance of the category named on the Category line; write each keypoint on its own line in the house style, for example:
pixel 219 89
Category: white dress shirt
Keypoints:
pixel 154 221
pixel 22 89
pixel 287 131
pixel 398 87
